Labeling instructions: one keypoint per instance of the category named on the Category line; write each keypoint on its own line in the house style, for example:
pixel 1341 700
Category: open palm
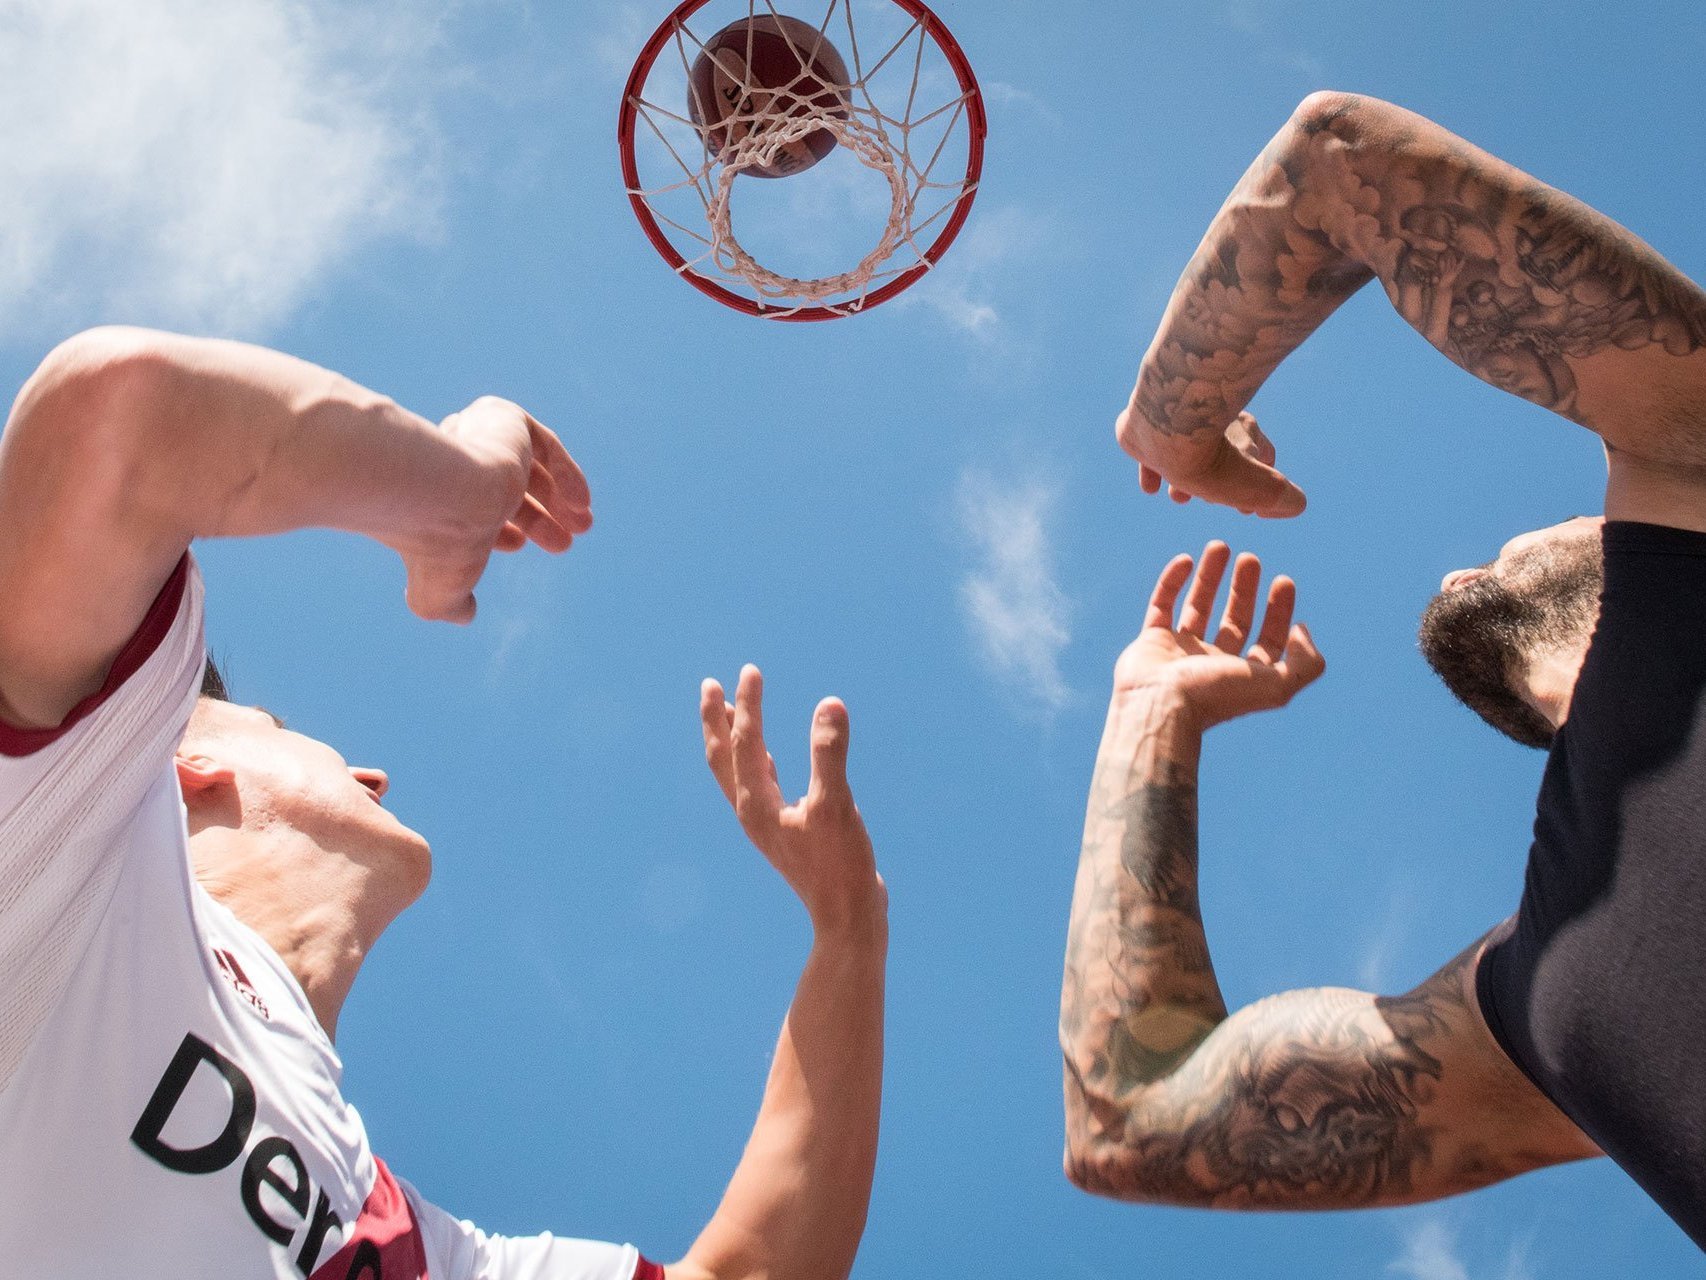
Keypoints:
pixel 818 842
pixel 1217 677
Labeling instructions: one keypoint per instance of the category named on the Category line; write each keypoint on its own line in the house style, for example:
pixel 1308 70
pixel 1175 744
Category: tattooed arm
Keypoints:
pixel 1308 1100
pixel 1519 283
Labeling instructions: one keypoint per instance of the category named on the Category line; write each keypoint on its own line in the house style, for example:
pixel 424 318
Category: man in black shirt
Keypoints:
pixel 1574 1027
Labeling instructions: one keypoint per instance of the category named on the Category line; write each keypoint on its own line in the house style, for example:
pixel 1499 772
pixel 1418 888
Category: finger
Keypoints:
pixel 1240 613
pixel 542 488
pixel 715 719
pixel 1264 446
pixel 1193 618
pixel 831 732
pixel 510 538
pixel 1167 587
pixel 1276 623
pixel 444 594
pixel 540 484
pixel 1253 486
pixel 438 608
pixel 540 527
pixel 1302 663
pixel 1177 494
pixel 572 501
pixel 1250 437
pixel 1148 478
pixel 757 798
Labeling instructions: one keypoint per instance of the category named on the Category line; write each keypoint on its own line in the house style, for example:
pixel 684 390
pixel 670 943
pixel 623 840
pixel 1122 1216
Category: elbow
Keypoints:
pixel 1348 115
pixel 1085 1168
pixel 1136 1175
pixel 1137 1153
pixel 89 412
pixel 101 382
pixel 1103 1168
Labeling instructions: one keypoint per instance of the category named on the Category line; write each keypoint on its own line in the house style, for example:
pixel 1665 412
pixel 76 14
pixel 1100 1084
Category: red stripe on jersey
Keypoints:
pixel 137 650
pixel 385 1241
pixel 648 1271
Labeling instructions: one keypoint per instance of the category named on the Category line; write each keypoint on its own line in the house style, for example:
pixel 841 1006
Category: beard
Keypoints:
pixel 1481 637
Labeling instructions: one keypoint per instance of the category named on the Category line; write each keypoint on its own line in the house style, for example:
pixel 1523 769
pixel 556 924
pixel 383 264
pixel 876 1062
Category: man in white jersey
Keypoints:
pixel 187 889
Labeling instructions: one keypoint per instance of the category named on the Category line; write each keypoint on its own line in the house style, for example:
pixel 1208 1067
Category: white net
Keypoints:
pixel 870 217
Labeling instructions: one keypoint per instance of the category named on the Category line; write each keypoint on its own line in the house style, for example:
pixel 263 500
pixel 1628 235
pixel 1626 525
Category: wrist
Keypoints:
pixel 1156 703
pixel 1152 722
pixel 433 491
pixel 858 920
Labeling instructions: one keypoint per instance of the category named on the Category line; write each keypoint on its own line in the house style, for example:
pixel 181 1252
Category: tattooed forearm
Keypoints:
pixel 1521 284
pixel 1313 1099
pixel 1139 992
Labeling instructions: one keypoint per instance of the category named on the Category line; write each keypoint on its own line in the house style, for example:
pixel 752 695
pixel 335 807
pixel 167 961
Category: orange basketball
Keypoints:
pixel 762 66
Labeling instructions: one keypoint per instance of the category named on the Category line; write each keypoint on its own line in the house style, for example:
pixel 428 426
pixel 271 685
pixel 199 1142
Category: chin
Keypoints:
pixel 413 861
pixel 400 854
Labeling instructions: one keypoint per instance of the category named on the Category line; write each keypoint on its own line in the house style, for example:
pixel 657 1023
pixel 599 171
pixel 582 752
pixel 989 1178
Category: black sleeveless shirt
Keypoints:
pixel 1597 987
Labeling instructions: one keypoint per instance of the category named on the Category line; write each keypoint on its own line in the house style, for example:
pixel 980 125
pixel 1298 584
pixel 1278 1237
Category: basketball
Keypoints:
pixel 761 71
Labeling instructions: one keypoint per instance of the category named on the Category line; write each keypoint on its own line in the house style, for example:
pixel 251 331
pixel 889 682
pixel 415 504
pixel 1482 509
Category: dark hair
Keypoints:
pixel 1481 637
pixel 212 683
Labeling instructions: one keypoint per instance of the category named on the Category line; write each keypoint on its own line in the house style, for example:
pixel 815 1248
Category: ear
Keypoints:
pixel 199 774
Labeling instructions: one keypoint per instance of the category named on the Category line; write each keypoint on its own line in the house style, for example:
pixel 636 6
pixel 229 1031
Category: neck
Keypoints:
pixel 1551 682
pixel 319 911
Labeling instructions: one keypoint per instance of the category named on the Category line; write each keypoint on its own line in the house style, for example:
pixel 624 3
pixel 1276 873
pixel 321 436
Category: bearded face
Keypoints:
pixel 1482 635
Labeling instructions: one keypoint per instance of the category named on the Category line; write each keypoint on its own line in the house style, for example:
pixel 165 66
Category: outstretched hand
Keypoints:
pixel 1235 469
pixel 532 491
pixel 818 842
pixel 1218 678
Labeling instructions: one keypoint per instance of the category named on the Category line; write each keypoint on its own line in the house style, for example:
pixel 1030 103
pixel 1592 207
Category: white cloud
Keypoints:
pixel 999 93
pixel 1017 613
pixel 624 35
pixel 1431 1252
pixel 1257 20
pixel 198 163
pixel 1385 943
pixel 965 287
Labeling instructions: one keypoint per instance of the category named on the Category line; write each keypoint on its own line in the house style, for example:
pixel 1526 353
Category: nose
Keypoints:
pixel 373 779
pixel 1457 577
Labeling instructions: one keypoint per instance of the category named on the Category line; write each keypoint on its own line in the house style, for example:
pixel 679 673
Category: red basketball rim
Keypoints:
pixel 976 123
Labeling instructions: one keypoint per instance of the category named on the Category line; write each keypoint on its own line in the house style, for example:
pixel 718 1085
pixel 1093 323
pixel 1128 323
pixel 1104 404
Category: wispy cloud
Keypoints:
pixel 965 288
pixel 1258 20
pixel 1017 613
pixel 1432 1252
pixel 1385 942
pixel 623 36
pixel 200 163
pixel 999 93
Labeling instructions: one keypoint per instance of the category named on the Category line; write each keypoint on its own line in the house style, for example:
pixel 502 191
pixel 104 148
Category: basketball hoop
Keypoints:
pixel 909 116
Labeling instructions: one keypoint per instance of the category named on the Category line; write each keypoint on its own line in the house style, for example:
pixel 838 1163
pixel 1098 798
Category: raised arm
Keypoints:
pixel 127 444
pixel 795 1207
pixel 1318 1099
pixel 1521 284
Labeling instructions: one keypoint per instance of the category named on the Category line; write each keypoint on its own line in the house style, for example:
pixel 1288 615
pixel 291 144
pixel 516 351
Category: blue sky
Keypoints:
pixel 921 509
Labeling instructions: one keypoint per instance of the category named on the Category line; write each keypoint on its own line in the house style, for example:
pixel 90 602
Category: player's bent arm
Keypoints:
pixel 1309 1100
pixel 1322 1099
pixel 127 444
pixel 1519 283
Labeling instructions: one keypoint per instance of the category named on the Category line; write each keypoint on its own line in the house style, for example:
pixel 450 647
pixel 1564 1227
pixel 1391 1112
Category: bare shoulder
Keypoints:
pixel 81 555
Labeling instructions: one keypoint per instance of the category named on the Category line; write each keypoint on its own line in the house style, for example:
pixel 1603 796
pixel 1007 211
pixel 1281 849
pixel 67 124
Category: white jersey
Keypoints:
pixel 169 1105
